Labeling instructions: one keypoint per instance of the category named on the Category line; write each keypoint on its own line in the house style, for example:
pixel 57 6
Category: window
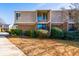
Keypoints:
pixel 41 26
pixel 39 17
pixel 70 16
pixel 17 15
pixel 71 27
pixel 44 16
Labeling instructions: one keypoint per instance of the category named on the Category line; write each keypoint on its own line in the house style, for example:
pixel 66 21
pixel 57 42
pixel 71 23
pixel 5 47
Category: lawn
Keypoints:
pixel 46 47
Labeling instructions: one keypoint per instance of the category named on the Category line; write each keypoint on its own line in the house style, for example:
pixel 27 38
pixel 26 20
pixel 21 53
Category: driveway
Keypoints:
pixel 9 49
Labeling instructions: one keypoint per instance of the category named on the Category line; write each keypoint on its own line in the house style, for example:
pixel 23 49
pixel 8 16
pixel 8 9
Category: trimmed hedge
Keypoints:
pixel 27 33
pixel 15 32
pixel 56 33
pixel 42 33
pixel 71 35
pixel 34 34
pixel 30 33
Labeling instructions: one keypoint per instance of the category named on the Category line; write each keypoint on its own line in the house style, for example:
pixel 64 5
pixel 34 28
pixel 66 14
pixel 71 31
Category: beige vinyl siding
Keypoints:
pixel 56 16
pixel 26 16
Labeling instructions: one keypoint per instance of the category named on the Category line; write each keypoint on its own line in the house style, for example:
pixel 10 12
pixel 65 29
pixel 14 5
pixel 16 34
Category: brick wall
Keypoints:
pixel 65 25
pixel 60 25
pixel 26 26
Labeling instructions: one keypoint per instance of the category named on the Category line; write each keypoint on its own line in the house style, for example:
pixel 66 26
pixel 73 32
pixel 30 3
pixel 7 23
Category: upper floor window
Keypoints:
pixel 70 16
pixel 71 27
pixel 17 15
pixel 44 16
pixel 39 17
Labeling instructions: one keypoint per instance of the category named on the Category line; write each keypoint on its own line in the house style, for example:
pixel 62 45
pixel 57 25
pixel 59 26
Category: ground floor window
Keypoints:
pixel 71 27
pixel 42 26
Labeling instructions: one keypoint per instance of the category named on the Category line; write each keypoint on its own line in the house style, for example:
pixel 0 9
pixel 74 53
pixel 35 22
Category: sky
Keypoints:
pixel 7 9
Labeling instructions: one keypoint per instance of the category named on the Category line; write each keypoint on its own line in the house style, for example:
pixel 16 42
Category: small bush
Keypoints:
pixel 42 33
pixel 57 33
pixel 71 35
pixel 12 32
pixel 34 34
pixel 30 33
pixel 27 33
pixel 15 32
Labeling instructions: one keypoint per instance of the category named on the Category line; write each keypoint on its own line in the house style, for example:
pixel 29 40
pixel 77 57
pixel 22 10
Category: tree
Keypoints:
pixel 74 10
pixel 64 14
pixel 72 13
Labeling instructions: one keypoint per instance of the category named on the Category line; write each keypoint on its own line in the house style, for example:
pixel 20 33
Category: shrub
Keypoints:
pixel 34 34
pixel 42 33
pixel 57 33
pixel 71 35
pixel 11 32
pixel 27 33
pixel 77 34
pixel 15 32
pixel 30 33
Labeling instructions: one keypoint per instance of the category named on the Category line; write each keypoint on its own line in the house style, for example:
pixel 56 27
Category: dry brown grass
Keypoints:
pixel 43 47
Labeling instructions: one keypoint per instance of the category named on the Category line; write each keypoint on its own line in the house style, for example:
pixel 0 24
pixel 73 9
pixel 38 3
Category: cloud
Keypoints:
pixel 64 5
pixel 52 6
pixel 40 5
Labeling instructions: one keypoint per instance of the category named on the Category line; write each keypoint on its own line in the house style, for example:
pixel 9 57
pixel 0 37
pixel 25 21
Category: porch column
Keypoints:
pixel 36 16
pixel 50 23
pixel 36 20
pixel 42 16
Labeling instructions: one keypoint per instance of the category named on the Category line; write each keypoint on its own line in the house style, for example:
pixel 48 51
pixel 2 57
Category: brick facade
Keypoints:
pixel 29 19
pixel 26 26
pixel 60 25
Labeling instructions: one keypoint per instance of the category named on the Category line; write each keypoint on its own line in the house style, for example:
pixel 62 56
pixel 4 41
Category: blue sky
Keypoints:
pixel 7 9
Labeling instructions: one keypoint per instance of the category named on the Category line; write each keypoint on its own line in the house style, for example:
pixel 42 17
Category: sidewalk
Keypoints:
pixel 9 49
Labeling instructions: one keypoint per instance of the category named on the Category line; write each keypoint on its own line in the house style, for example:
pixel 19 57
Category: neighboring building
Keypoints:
pixel 3 26
pixel 42 19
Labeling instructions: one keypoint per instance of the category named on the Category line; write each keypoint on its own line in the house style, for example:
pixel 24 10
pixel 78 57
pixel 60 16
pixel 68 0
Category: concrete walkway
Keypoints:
pixel 9 49
pixel 4 33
